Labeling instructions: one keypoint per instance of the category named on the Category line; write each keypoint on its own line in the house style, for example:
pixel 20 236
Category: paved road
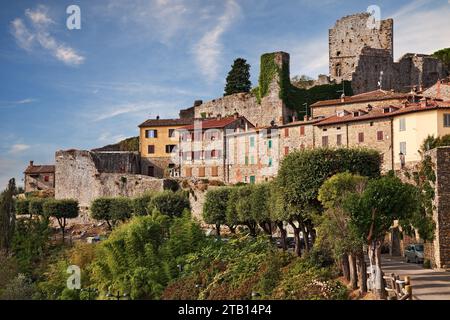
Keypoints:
pixel 427 284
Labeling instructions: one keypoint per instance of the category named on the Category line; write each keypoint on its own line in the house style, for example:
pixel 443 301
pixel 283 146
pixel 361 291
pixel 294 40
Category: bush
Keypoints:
pixel 36 206
pixel 141 204
pixel 121 209
pixel 23 206
pixel 170 203
pixel 111 210
pixel 19 288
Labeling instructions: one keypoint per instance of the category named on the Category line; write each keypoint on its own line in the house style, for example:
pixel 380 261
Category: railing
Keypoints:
pixel 398 289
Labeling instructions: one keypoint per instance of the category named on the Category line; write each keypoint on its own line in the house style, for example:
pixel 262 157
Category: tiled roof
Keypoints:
pixel 166 122
pixel 376 95
pixel 213 123
pixel 377 112
pixel 300 123
pixel 40 169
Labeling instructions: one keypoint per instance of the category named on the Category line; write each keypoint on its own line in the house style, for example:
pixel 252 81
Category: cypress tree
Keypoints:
pixel 238 79
pixel 7 216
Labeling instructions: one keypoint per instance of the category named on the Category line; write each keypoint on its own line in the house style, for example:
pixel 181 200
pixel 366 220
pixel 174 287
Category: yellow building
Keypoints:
pixel 158 144
pixel 413 124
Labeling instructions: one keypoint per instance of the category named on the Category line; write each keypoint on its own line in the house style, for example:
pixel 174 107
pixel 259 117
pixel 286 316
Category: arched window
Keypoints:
pixel 338 70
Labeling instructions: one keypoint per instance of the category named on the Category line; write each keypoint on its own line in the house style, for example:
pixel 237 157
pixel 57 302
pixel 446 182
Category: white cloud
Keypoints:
pixel 16 103
pixel 38 35
pixel 208 50
pixel 140 108
pixel 107 137
pixel 420 29
pixel 18 148
pixel 311 57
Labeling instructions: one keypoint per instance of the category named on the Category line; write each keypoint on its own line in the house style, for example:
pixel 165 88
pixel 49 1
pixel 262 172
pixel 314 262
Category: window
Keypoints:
pixel 151 149
pixel 170 148
pixel 252 142
pixel 151 133
pixel 325 141
pixel 270 144
pixel 286 151
pixel 171 133
pixel 151 171
pixel 447 120
pixel 361 137
pixel 246 160
pixel 201 171
pixel 46 178
pixel 188 172
pixel 252 179
pixel 338 70
pixel 339 139
pixel 214 171
pixel 302 130
pixel 252 159
pixel 213 153
pixel 380 135
pixel 403 124
pixel 286 132
pixel 270 162
pixel 403 148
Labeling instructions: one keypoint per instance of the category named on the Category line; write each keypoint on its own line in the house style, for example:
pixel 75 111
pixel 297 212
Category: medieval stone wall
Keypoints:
pixel 80 175
pixel 261 114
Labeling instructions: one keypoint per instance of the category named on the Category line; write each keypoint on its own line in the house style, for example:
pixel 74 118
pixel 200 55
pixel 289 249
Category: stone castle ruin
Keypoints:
pixel 363 54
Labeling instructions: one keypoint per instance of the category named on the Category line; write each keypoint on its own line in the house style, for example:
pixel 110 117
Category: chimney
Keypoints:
pixel 236 115
pixel 342 97
pixel 31 163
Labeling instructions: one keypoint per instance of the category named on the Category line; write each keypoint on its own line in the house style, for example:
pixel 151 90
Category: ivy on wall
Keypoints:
pixel 294 98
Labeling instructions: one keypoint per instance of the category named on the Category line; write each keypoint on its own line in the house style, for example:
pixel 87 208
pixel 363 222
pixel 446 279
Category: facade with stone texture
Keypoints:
pixel 86 175
pixel 203 147
pixel 361 51
pixel 39 177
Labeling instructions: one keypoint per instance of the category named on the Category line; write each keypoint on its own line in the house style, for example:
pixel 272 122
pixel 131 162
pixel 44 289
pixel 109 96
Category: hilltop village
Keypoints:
pixel 367 100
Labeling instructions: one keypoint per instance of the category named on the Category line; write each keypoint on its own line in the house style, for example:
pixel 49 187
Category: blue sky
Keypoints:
pixel 133 60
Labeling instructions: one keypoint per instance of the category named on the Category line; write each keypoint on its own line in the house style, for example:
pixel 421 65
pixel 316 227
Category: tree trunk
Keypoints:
pixel 306 238
pixel 345 267
pixel 298 244
pixel 353 272
pixel 283 234
pixel 266 228
pixel 376 274
pixel 109 225
pixel 218 230
pixel 362 273
pixel 252 228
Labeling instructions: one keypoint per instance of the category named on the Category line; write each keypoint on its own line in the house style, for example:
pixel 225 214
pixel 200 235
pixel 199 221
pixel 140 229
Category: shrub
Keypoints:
pixel 121 209
pixel 61 210
pixel 140 205
pixel 111 210
pixel 170 203
pixel 36 206
pixel 23 206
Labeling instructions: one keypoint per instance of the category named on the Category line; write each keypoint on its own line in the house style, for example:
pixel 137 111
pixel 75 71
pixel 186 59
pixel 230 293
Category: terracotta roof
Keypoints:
pixel 214 123
pixel 376 95
pixel 166 122
pixel 377 112
pixel 40 169
pixel 300 123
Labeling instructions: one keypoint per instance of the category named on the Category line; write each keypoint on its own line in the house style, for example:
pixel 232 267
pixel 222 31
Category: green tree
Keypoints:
pixel 215 206
pixel 170 203
pixel 141 203
pixel 444 56
pixel 36 206
pixel 260 207
pixel 61 210
pixel 302 174
pixel 238 79
pixel 111 210
pixel 7 215
pixel 335 225
pixel 244 210
pixel 372 214
pixel 278 211
pixel 23 207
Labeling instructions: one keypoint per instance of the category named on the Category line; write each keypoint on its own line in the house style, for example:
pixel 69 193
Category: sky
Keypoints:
pixel 134 60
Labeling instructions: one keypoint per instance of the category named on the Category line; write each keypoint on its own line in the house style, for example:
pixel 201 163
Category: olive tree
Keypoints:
pixel 215 206
pixel 61 210
pixel 170 203
pixel 111 210
pixel 302 173
pixel 373 212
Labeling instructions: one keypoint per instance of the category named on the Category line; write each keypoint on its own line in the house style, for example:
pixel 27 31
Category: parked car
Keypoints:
pixel 414 253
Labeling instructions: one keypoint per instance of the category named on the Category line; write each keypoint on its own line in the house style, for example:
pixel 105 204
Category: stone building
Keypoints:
pixel 260 113
pixel 39 177
pixel 86 175
pixel 349 36
pixel 158 140
pixel 253 155
pixel 361 51
pixel 203 147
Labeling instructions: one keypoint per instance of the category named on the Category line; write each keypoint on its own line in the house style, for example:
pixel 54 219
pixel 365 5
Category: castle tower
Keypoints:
pixel 350 36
